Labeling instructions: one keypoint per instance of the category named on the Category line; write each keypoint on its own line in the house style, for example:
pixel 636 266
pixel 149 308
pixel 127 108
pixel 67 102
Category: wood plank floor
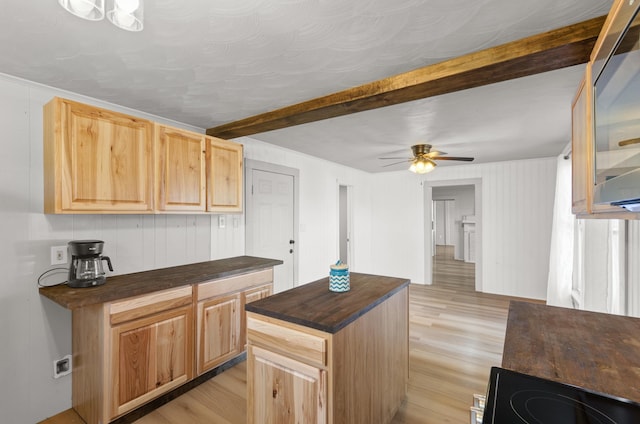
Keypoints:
pixel 456 335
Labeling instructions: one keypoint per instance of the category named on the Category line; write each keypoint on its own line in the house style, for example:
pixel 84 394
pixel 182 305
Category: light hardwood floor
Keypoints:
pixel 456 335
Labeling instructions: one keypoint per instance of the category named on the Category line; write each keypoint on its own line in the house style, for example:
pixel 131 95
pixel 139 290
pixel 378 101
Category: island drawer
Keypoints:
pixel 308 347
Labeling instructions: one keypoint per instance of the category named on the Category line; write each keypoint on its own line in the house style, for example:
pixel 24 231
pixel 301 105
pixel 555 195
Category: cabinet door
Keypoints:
pixel 218 331
pixel 281 390
pixel 224 176
pixel 257 293
pixel 180 170
pixel 582 157
pixel 249 296
pixel 150 356
pixel 580 162
pixel 96 160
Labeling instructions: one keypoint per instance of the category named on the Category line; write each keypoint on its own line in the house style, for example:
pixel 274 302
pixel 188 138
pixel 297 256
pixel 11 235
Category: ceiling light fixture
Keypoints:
pixel 125 14
pixel 92 10
pixel 422 165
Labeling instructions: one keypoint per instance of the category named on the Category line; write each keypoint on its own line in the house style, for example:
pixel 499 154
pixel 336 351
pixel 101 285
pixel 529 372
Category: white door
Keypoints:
pixel 270 231
pixel 444 221
pixel 441 222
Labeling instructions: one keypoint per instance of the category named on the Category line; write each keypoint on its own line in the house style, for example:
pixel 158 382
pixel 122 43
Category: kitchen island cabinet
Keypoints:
pixel 316 356
pixel 134 338
pixel 597 351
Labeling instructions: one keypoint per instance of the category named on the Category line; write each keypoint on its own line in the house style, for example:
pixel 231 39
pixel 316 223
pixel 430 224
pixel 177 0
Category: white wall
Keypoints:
pixel 318 245
pixel 517 208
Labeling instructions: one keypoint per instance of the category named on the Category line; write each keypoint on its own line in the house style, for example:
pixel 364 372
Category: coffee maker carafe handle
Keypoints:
pixel 106 258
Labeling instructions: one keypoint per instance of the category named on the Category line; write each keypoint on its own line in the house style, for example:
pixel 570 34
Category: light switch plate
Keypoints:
pixel 222 221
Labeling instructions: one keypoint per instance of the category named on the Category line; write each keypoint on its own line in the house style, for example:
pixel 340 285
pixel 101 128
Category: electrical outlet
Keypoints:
pixel 62 367
pixel 58 255
pixel 222 221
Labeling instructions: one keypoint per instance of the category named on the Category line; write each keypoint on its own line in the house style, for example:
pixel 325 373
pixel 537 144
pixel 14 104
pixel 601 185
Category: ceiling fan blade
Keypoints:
pixel 453 158
pixel 434 153
pixel 404 157
pixel 629 142
pixel 395 163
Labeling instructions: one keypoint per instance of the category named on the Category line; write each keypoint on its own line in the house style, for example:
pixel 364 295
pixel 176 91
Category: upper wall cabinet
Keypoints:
pixel 96 160
pixel 224 175
pixel 99 161
pixel 180 170
pixel 605 116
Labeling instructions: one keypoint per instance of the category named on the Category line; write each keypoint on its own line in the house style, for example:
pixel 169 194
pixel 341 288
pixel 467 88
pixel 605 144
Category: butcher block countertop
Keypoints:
pixel 313 305
pixel 596 351
pixel 127 285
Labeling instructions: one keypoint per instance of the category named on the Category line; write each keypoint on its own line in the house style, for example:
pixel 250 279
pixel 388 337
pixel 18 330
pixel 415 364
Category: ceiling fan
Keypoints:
pixel 424 159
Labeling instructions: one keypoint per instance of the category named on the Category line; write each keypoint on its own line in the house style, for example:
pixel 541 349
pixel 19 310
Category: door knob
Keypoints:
pixel 290 250
pixel 291 241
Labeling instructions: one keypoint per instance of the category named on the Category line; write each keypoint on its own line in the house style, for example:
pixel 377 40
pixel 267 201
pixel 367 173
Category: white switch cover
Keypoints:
pixel 222 222
pixel 58 255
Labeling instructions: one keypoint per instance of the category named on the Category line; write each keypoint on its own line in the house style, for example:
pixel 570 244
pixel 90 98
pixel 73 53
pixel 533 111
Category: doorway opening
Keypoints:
pixel 453 233
pixel 344 225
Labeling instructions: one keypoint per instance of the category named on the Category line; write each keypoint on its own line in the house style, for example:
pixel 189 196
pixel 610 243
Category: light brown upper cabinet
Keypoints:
pixel 586 150
pixel 96 160
pixel 180 169
pixel 580 147
pixel 224 175
pixel 99 161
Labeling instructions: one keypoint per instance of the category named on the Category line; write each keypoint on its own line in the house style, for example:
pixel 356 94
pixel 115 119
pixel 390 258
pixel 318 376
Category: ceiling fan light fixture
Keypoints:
pixel 422 165
pixel 91 10
pixel 126 14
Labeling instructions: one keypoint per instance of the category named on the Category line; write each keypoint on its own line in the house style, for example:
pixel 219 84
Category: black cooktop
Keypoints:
pixel 515 398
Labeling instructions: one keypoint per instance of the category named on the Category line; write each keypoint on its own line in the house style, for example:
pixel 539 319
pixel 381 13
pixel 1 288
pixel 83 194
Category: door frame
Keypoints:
pixel 349 223
pixel 249 166
pixel 428 219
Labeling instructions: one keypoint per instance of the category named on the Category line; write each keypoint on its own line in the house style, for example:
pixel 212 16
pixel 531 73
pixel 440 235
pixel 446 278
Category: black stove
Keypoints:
pixel 515 398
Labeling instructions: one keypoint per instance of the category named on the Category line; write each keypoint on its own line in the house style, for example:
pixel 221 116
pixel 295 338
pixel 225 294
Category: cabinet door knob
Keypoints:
pixel 290 250
pixel 292 241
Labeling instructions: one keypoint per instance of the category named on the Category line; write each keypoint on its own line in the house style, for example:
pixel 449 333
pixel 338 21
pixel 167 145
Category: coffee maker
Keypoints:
pixel 86 263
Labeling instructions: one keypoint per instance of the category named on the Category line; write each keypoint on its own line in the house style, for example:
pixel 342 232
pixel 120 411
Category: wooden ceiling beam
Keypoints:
pixel 559 48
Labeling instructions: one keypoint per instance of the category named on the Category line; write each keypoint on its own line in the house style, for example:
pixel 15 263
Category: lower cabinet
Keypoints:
pixel 219 334
pixel 129 352
pixel 275 373
pixel 150 356
pixel 221 318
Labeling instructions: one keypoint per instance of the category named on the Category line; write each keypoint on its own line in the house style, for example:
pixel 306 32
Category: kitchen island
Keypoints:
pixel 316 356
pixel 597 351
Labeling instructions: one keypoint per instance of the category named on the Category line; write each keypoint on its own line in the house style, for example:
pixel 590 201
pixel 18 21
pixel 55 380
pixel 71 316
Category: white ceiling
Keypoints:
pixel 209 62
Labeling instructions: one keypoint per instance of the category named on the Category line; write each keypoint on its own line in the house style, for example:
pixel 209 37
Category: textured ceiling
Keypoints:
pixel 205 63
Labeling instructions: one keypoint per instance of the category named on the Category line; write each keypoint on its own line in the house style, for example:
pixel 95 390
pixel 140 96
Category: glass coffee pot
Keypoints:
pixel 86 263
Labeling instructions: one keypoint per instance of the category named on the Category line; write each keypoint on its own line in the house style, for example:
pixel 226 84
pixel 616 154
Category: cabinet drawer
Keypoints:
pixel 233 284
pixel 287 340
pixel 137 307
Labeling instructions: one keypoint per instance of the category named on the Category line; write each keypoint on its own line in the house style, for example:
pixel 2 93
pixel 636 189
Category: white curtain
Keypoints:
pixel 559 283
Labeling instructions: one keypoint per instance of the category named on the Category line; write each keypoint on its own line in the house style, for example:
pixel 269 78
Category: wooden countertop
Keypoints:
pixel 313 305
pixel 596 351
pixel 127 285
